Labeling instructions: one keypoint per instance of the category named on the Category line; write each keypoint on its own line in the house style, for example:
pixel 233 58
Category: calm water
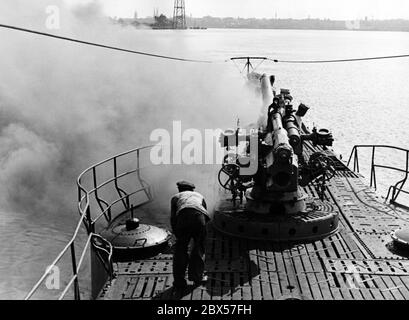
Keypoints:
pixel 362 102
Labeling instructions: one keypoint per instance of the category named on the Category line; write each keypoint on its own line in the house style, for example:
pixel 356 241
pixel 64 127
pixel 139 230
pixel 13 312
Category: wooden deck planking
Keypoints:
pixel 274 272
pixel 327 251
pixel 205 292
pixel 380 284
pixel 197 293
pixel 300 273
pixel 390 285
pixel 333 280
pixel 294 286
pixel 345 252
pixel 401 287
pixel 117 289
pixel 246 293
pixel 274 277
pixel 282 282
pixel 236 290
pixel 404 282
pixel 315 277
pixel 159 287
pixel 139 288
pixel 217 282
pixel 168 291
pixel 131 287
pixel 255 274
pixel 188 295
pixel 364 291
pixel 151 281
pixel 246 279
pixel 374 291
pixel 322 281
pixel 266 269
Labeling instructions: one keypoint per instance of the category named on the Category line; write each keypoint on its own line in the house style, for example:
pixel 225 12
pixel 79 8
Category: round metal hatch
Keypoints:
pixel 401 238
pixel 134 239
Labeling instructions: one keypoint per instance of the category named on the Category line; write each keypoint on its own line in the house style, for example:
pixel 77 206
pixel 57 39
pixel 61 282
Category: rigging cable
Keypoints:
pixel 103 46
pixel 340 60
pixel 44 34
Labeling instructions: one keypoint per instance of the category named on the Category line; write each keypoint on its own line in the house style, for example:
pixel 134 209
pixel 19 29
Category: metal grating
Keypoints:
pixel 153 266
pixel 379 245
pixel 367 266
pixel 164 266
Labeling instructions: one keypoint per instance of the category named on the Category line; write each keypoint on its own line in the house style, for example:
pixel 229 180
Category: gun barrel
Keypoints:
pixel 267 98
pixel 281 147
pixel 266 90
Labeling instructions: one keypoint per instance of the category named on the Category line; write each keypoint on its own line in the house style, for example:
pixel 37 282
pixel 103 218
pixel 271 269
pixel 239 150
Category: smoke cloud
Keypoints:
pixel 65 106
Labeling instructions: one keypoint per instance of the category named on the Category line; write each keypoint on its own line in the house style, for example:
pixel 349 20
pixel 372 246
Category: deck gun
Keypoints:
pixel 282 167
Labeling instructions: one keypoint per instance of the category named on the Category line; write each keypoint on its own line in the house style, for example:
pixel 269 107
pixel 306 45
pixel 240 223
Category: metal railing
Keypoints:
pixel 393 190
pixel 91 214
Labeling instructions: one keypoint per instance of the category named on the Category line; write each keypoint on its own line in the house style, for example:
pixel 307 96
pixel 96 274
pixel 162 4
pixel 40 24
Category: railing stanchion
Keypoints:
pixel 137 161
pixel 120 192
pixel 394 190
pixel 373 174
pixel 393 194
pixel 79 192
pixel 77 295
pixel 89 218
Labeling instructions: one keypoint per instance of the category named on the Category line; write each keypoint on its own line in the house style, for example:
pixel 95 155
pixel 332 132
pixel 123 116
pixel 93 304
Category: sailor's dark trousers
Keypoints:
pixel 190 224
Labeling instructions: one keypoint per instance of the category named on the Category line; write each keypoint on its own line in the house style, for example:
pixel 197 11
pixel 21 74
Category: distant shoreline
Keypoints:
pixel 284 29
pixel 305 29
pixel 398 25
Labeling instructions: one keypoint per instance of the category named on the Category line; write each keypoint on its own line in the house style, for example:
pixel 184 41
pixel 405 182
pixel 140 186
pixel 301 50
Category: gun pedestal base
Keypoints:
pixel 276 203
pixel 320 220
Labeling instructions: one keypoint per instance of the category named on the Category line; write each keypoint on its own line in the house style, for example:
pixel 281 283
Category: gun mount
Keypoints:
pixel 270 202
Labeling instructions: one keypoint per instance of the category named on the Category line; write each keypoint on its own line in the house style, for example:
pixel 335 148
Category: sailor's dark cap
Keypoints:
pixel 185 184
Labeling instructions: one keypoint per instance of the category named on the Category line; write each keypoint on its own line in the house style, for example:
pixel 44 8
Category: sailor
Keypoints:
pixel 188 220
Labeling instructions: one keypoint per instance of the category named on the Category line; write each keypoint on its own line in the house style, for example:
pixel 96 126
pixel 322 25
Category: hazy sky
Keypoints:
pixel 333 9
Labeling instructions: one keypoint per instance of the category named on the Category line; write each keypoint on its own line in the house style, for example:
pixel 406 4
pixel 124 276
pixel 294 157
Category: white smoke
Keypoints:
pixel 65 106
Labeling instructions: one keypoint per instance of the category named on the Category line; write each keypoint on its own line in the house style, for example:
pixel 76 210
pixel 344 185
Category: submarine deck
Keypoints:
pixel 358 262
